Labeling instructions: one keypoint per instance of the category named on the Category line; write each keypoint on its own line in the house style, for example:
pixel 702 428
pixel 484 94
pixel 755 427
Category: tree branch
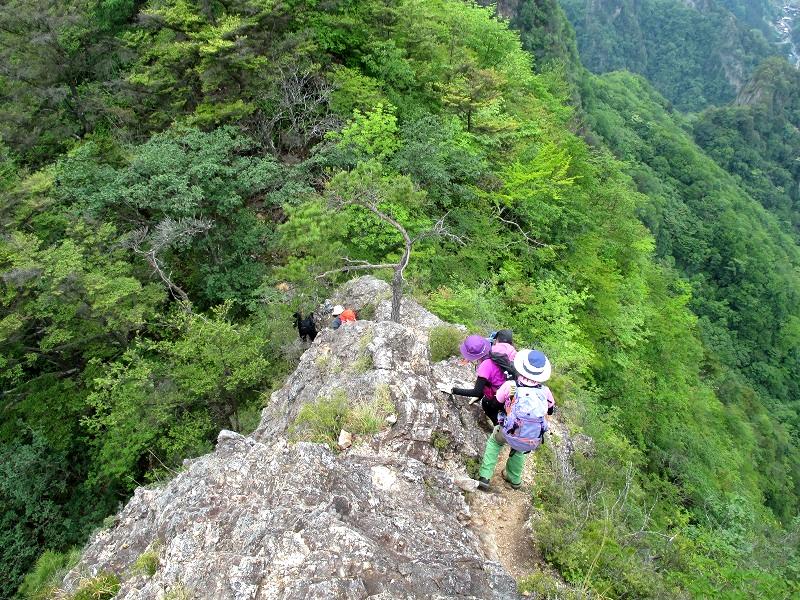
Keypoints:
pixel 528 238
pixel 440 230
pixel 166 234
pixel 358 267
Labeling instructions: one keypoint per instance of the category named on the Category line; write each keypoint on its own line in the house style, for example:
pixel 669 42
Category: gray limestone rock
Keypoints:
pixel 266 516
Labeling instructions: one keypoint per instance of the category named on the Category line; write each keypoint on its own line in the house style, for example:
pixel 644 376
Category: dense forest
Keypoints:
pixel 694 53
pixel 174 175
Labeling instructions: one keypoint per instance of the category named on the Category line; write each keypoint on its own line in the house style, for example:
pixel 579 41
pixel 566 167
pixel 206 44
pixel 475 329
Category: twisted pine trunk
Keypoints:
pixel 397 280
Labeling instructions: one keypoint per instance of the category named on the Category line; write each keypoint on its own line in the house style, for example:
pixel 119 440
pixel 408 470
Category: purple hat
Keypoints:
pixel 475 347
pixel 532 364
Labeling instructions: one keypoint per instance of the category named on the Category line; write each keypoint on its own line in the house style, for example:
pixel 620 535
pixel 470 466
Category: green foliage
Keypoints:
pixel 369 417
pixel 178 592
pixel 147 562
pixel 363 363
pixel 675 346
pixel 546 586
pixel 688 52
pixel 44 579
pixel 40 506
pixel 757 140
pixel 101 587
pixel 181 174
pixel 440 440
pixel 322 420
pixel 461 304
pixel 164 400
pixel 69 302
pixel 472 465
pixel 444 342
pixel 383 399
pixel 370 135
pixel 735 255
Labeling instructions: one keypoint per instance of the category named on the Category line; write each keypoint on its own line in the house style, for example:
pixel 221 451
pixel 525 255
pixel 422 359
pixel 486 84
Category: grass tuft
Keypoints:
pixel 444 342
pixel 44 579
pixel 147 563
pixel 102 587
pixel 321 421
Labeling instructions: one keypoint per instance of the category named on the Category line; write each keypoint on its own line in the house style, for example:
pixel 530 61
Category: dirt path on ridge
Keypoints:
pixel 501 517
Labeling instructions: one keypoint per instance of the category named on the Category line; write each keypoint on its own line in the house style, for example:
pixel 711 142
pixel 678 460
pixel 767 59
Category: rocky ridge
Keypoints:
pixel 267 516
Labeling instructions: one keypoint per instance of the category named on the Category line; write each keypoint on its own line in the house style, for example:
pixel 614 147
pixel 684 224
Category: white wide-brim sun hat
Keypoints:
pixel 533 365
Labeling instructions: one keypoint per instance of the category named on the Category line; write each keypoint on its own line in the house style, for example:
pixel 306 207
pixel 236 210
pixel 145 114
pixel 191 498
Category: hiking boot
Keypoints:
pixel 483 484
pixel 514 486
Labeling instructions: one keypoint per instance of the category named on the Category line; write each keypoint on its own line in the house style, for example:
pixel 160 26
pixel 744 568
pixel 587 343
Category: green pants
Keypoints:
pixel 514 464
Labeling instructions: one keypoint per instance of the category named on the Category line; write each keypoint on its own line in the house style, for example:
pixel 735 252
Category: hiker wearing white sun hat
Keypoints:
pixel 533 365
pixel 337 321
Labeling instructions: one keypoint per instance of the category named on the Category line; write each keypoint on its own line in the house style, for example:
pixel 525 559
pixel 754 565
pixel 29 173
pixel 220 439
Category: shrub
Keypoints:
pixel 249 415
pixel 472 465
pixel 321 421
pixel 102 587
pixel 444 342
pixel 147 563
pixel 48 572
pixel 440 441
pixel 546 586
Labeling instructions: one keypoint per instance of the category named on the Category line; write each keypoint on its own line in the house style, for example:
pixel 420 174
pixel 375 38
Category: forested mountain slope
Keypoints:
pixel 741 264
pixel 694 53
pixel 177 177
pixel 757 139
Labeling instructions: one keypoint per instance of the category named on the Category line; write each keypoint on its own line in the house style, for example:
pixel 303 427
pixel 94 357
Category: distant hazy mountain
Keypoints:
pixel 695 52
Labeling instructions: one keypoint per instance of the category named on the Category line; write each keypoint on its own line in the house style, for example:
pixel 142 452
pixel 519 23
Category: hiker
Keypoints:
pixel 342 315
pixel 503 336
pixel 523 422
pixel 306 328
pixel 489 375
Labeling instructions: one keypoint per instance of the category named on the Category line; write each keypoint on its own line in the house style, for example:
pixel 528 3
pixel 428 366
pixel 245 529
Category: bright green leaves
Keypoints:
pixel 186 38
pixel 165 400
pixel 534 190
pixel 353 90
pixel 544 312
pixel 370 135
pixel 365 192
pixel 70 302
pixel 215 358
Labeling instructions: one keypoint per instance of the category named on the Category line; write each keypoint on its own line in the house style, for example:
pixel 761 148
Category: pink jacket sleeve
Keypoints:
pixel 503 392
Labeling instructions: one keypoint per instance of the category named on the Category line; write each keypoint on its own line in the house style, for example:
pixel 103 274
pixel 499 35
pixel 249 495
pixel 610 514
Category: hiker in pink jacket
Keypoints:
pixel 489 376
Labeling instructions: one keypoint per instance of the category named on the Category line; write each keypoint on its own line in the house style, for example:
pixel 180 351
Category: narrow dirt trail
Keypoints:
pixel 501 517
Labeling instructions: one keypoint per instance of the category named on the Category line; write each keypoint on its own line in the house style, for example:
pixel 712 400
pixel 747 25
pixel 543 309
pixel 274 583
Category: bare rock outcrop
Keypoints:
pixel 267 516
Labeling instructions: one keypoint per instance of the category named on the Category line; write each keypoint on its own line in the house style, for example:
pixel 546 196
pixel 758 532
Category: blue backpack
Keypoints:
pixel 524 423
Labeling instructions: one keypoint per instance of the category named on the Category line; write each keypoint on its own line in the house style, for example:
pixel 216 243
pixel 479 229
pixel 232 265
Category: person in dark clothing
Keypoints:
pixel 504 336
pixel 306 328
